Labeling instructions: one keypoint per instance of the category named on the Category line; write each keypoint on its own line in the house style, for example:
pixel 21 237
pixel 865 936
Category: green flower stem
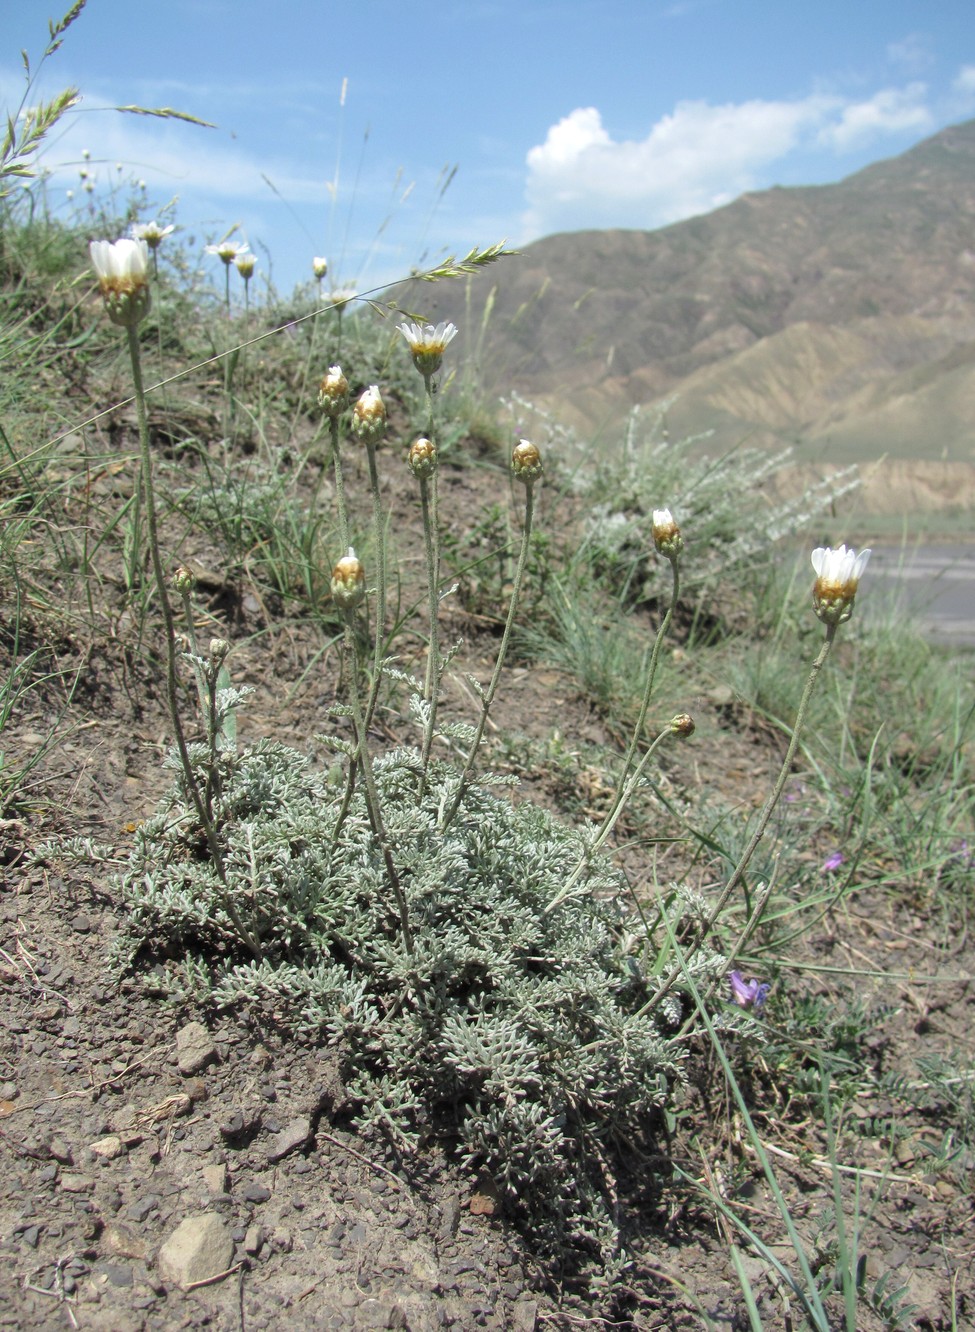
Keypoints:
pixel 738 872
pixel 431 686
pixel 379 536
pixel 502 653
pixel 625 789
pixel 170 631
pixel 364 763
pixel 333 439
pixel 428 386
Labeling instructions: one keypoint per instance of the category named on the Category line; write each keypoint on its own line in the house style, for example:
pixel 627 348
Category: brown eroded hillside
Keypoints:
pixel 837 317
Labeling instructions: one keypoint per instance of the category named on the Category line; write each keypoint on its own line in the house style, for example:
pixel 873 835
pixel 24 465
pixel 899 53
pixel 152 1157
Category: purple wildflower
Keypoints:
pixel 833 862
pixel 748 994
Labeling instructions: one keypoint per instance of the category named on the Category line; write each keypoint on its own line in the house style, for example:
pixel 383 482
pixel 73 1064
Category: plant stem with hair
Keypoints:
pixel 492 688
pixel 364 763
pixel 186 764
pixel 744 859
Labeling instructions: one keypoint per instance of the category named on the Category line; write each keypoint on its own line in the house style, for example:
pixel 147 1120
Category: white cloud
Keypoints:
pixel 889 111
pixel 699 156
pixel 693 160
pixel 913 53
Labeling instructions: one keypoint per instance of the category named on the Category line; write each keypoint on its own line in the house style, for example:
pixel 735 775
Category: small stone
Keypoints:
pixel 292 1136
pixel 60 1150
pixel 450 1217
pixel 139 1210
pixel 80 923
pixel 108 1148
pixel 30 1236
pixel 199 1249
pixel 118 1273
pixel 123 1242
pixel 524 1316
pixel 257 1193
pixel 74 1183
pixel 194 1048
pixel 215 1178
pixel 253 1240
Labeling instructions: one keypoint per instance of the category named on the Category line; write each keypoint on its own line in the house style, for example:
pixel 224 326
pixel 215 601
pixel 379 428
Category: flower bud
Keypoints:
pixel 319 267
pixel 348 582
pixel 245 264
pixel 683 724
pixel 526 461
pixel 219 648
pixel 369 416
pixel 122 269
pixel 666 534
pixel 183 581
pixel 333 392
pixel 422 458
pixel 837 579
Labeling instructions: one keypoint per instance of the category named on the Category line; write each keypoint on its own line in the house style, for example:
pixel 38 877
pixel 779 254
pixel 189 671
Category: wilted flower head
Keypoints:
pixel 319 267
pixel 333 392
pixel 748 994
pixel 369 416
pixel 666 534
pixel 245 264
pixel 122 269
pixel 348 582
pixel 422 458
pixel 427 343
pixel 152 233
pixel 526 461
pixel 838 575
pixel 228 250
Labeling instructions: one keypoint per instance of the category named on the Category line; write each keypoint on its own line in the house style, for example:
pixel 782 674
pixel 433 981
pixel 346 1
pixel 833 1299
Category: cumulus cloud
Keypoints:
pixel 697 157
pixel 888 112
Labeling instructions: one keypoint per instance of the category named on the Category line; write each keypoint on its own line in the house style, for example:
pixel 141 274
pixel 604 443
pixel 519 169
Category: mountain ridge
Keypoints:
pixel 839 318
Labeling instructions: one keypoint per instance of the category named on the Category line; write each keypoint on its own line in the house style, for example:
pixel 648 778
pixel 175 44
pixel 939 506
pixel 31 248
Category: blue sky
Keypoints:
pixel 558 114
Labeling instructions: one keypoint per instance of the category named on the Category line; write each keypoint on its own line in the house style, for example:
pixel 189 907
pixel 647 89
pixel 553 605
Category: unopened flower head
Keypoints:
pixel 184 581
pixel 152 233
pixel 228 250
pixel 333 392
pixel 423 458
pixel 369 416
pixel 219 648
pixel 683 724
pixel 319 267
pixel 122 269
pixel 838 574
pixel 666 534
pixel 348 582
pixel 427 343
pixel 245 264
pixel 748 994
pixel 526 461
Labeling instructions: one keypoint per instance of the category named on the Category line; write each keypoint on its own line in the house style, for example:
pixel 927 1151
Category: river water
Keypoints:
pixel 935 583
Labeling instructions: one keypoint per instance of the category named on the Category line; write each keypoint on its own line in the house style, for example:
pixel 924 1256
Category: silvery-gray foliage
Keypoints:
pixel 519 1031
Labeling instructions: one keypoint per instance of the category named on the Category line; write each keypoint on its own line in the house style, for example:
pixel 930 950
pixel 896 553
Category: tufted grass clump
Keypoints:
pixel 520 1031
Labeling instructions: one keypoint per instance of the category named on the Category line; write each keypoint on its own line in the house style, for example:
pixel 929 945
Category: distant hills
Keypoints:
pixel 840 318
